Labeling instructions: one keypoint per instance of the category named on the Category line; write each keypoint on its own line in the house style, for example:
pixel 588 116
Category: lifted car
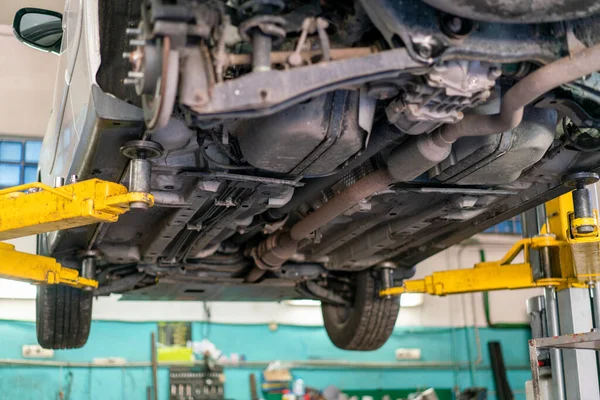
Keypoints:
pixel 306 149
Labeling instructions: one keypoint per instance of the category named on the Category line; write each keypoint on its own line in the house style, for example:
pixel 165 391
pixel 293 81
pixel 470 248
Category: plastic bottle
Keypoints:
pixel 298 388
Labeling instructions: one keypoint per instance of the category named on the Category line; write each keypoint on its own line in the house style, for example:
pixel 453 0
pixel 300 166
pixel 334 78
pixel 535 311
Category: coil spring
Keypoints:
pixel 255 7
pixel 258 15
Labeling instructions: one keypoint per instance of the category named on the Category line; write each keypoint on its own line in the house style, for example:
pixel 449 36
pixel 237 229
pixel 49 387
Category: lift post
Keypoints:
pixel 36 208
pixel 568 250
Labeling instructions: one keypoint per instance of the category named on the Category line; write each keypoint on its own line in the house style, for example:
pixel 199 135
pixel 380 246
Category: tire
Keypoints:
pixel 63 316
pixel 368 324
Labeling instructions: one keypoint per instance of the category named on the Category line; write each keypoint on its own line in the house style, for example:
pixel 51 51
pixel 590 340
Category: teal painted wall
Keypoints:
pixel 257 343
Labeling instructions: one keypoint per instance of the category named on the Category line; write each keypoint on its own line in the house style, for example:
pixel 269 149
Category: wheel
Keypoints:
pixel 63 316
pixel 367 324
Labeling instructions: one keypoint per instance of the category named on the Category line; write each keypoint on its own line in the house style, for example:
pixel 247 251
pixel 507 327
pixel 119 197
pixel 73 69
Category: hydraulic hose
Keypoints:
pixel 531 87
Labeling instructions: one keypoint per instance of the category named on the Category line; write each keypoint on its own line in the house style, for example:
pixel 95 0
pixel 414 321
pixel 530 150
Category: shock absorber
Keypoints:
pixel 261 28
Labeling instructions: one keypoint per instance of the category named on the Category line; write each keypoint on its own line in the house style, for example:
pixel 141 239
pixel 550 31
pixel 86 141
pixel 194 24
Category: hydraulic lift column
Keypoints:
pixel 575 315
pixel 546 306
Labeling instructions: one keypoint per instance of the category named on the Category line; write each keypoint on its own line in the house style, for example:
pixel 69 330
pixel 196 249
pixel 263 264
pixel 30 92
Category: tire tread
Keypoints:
pixel 63 316
pixel 371 321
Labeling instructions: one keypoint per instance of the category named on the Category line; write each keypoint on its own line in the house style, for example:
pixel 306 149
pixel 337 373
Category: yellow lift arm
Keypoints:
pixel 572 256
pixel 36 208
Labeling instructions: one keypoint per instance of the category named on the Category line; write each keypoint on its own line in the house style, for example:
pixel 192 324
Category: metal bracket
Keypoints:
pixel 70 206
pixel 578 341
pixel 38 269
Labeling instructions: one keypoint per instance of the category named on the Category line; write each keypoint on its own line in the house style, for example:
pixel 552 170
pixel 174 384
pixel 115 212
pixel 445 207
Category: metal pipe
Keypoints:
pixel 139 175
pixel 595 292
pixel 154 361
pixel 405 163
pixel 88 270
pixel 59 181
pixel 323 293
pixel 281 57
pixel 582 207
pixel 595 298
pixel 88 267
pixel 140 171
pixel 531 87
pixel 296 364
pixel 365 187
pixel 558 378
pixel 383 135
pixel 546 261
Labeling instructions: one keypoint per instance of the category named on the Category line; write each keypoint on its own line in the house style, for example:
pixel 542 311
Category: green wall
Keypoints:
pixel 256 343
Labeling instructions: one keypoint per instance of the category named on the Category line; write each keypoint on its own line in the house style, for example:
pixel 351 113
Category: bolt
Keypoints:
pixel 473 80
pixel 129 81
pixel 494 73
pixel 133 31
pixel 137 42
pixel 295 60
pixel 135 74
pixel 424 50
pixel 454 24
pixel 73 179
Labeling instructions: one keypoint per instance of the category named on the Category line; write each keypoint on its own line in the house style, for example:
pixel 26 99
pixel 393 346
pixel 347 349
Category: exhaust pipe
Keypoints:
pixel 419 154
pixel 534 85
pixel 275 250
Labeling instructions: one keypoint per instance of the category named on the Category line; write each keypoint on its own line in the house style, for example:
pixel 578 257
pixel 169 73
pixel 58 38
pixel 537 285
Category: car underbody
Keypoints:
pixel 300 143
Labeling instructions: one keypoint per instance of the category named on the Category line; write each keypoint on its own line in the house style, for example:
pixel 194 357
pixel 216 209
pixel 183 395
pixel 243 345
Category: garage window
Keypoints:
pixel 18 161
pixel 510 226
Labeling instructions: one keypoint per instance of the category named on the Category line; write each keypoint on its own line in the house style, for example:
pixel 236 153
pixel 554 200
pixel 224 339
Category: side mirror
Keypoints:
pixel 39 28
